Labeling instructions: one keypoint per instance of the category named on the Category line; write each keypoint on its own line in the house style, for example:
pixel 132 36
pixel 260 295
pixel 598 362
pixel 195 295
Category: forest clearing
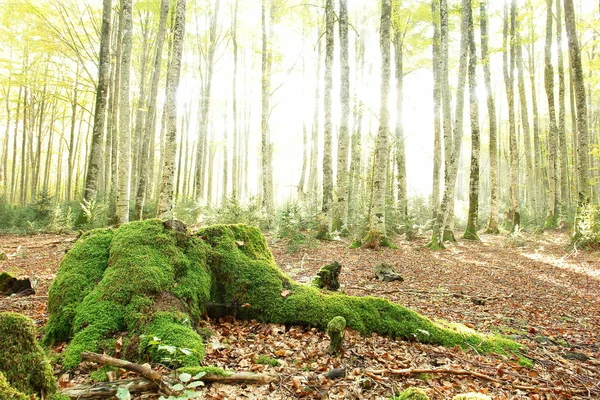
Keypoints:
pixel 491 286
pixel 227 199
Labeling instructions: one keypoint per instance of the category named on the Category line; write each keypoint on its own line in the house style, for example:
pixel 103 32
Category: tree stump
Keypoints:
pixel 335 331
pixel 328 277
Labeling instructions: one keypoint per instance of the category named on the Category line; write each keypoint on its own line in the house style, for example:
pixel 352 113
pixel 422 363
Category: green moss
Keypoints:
pixel 525 362
pixel 173 330
pixel 207 370
pixel 266 360
pixel 58 396
pixel 5 281
pixel 22 360
pixel 335 331
pixel 99 375
pixel 81 269
pixel 412 394
pixel 356 244
pixel 8 393
pixel 375 239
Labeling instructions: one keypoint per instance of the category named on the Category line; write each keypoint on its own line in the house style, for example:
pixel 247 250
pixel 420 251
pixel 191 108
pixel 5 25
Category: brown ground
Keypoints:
pixel 544 294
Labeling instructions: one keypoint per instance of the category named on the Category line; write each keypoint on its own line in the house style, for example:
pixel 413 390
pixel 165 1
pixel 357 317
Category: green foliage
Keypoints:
pixel 587 229
pixel 22 361
pixel 99 375
pixel 266 360
pixel 9 393
pixel 94 213
pixel 335 331
pixel 233 212
pixel 291 225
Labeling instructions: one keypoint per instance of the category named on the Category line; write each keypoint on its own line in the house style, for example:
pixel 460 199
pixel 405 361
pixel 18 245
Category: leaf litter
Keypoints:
pixel 543 295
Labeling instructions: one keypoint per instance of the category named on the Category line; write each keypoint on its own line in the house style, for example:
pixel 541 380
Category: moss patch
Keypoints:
pixel 8 393
pixel 412 394
pixel 207 370
pixel 22 360
pixel 156 282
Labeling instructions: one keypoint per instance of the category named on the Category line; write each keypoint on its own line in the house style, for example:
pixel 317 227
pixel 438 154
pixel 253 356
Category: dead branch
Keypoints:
pixel 104 390
pixel 144 371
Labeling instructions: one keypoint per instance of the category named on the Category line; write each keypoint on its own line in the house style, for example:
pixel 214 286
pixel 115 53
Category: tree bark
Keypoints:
pixel 341 210
pixel 437 104
pixel 150 122
pixel 492 226
pixel 402 204
pixel 235 180
pixel 267 60
pixel 96 156
pixel 552 136
pixel 514 215
pixel 327 132
pixel 473 215
pixel 583 196
pixel 381 146
pixel 165 199
pixel 563 161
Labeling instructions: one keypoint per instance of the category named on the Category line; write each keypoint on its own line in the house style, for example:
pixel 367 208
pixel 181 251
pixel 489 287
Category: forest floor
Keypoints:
pixel 544 294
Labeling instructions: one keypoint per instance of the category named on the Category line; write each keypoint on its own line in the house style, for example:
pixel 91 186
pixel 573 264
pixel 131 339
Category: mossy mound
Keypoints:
pixel 472 396
pixel 23 365
pixel 156 282
pixel 412 394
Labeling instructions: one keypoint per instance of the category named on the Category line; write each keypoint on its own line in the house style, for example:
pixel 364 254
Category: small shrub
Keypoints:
pixel 266 360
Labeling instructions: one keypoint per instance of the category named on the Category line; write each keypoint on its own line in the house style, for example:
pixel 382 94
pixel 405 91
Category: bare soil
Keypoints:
pixel 544 295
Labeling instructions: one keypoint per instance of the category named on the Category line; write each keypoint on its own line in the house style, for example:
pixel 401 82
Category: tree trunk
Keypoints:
pixel 4 172
pixel 514 215
pixel 437 104
pixel 96 151
pixel 563 161
pixel 150 122
pixel 165 199
pixel 235 180
pixel 13 174
pixel 378 228
pixel 400 147
pixel 313 179
pixel 124 149
pixel 341 209
pixel 493 137
pixel 473 215
pixel 552 137
pixel 451 168
pixel 267 60
pixel 583 197
pixel 72 153
pixel 327 132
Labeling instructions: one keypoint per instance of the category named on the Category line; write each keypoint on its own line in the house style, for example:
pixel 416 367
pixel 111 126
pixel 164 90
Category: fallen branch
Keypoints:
pixel 238 377
pixel 105 390
pixel 144 371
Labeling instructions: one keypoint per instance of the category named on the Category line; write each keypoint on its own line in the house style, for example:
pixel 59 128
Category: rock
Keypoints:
pixel 10 285
pixel 328 277
pixel 386 273
pixel 175 225
pixel 336 373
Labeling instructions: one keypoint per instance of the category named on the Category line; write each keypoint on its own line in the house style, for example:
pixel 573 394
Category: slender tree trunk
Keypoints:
pixel 124 153
pixel 491 107
pixel 529 183
pixel 72 137
pixel 552 137
pixel 473 215
pixel 563 161
pixel 313 180
pixel 13 175
pixel 341 210
pixel 437 104
pixel 451 168
pixel 514 215
pixel 4 172
pixel 327 132
pixel 150 122
pixel 24 176
pixel 225 158
pixel 400 148
pixel 205 105
pixel 165 199
pixel 114 120
pixel 583 158
pixel 235 180
pixel 267 60
pixel 378 228
pixel 96 157
pixel 356 158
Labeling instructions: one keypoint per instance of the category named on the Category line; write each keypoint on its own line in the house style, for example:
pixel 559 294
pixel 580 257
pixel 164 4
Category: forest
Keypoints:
pixel 391 199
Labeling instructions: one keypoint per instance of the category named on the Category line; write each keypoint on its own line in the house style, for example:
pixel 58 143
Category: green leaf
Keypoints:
pixel 185 351
pixel 170 349
pixel 195 384
pixel 123 394
pixel 185 377
pixel 199 375
pixel 178 387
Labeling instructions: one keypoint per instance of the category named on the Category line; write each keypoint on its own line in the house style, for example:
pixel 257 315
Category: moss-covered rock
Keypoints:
pixel 148 280
pixel 22 361
pixel 9 393
pixel 412 394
